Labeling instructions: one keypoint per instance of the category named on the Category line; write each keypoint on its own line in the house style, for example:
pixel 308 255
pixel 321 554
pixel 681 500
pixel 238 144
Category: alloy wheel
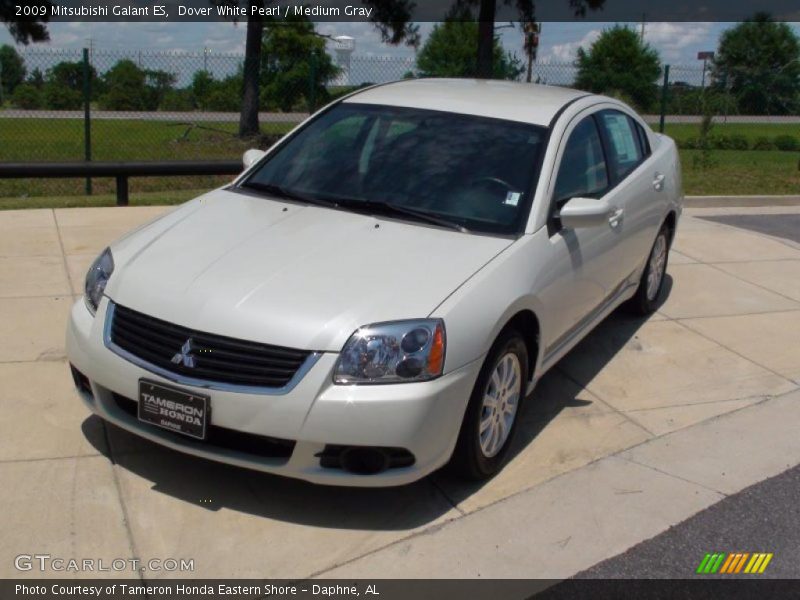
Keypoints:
pixel 658 261
pixel 500 401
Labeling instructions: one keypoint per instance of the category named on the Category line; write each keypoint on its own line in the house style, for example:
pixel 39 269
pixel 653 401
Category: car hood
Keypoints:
pixel 293 275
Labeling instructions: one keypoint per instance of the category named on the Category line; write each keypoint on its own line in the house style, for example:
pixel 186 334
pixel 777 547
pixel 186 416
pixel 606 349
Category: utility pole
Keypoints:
pixel 641 31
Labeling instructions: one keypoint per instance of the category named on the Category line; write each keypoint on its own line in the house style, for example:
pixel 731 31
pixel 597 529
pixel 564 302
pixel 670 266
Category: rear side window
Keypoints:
pixel 624 143
pixel 642 138
pixel 582 171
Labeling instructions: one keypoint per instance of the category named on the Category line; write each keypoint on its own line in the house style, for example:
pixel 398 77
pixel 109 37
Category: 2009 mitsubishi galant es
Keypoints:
pixel 376 295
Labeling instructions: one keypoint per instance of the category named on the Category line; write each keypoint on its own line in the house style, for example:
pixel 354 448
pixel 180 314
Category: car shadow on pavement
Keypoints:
pixel 149 467
pixel 562 387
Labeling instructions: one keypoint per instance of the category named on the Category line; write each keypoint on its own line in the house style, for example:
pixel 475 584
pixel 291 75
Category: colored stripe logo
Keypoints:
pixel 733 563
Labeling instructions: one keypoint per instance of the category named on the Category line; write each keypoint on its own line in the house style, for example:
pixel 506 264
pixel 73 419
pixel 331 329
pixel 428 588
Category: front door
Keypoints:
pixel 584 262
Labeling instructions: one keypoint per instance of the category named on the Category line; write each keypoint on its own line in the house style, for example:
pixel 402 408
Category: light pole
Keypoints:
pixel 705 57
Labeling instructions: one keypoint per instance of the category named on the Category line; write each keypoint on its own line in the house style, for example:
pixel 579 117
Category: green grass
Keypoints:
pixel 62 139
pixel 742 172
pixel 24 140
pixel 751 131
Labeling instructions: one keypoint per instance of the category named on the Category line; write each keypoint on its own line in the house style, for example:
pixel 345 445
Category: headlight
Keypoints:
pixel 395 352
pixel 96 279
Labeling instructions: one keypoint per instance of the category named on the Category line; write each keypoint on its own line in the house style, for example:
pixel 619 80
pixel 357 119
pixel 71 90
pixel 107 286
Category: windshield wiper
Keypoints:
pixel 278 190
pixel 402 211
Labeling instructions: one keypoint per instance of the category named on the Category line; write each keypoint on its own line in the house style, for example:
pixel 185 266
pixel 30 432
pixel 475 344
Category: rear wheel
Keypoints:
pixel 491 417
pixel 645 301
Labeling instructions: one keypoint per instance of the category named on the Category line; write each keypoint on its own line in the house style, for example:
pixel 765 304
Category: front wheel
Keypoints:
pixel 491 417
pixel 645 301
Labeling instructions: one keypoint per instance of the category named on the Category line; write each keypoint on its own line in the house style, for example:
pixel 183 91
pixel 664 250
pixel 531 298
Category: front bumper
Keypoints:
pixel 423 418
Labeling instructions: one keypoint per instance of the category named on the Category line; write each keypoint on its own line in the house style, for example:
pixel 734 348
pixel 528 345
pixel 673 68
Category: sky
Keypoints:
pixel 677 43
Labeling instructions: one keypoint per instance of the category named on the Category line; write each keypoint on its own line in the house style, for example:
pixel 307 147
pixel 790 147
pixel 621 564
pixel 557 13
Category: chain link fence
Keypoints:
pixel 99 104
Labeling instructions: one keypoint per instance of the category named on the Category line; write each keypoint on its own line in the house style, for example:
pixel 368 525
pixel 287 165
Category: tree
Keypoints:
pixel 293 61
pixel 449 51
pixel 26 96
pixel 620 63
pixel 31 29
pixel 63 85
pixel 217 95
pixel 12 69
pixel 36 78
pixel 127 87
pixel 159 84
pixel 759 62
pixel 248 117
pixel 202 84
pixel 69 74
pixel 394 20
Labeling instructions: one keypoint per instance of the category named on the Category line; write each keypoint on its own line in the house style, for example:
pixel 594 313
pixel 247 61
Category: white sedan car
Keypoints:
pixel 377 294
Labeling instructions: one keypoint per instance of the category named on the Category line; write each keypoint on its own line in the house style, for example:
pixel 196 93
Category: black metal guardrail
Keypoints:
pixel 121 171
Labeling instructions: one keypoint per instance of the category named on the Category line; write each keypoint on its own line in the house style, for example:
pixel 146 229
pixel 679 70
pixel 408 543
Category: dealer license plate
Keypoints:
pixel 173 409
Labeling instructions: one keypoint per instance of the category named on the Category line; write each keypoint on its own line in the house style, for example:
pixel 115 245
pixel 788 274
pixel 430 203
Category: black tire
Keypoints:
pixel 644 303
pixel 469 461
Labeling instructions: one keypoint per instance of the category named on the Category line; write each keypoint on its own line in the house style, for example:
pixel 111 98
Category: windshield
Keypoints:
pixel 471 172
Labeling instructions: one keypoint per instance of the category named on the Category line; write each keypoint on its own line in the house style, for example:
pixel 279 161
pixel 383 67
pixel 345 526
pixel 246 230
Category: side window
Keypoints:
pixel 642 139
pixel 582 171
pixel 624 143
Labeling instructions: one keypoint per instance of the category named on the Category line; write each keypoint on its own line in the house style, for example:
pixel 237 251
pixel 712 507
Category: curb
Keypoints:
pixel 582 517
pixel 743 201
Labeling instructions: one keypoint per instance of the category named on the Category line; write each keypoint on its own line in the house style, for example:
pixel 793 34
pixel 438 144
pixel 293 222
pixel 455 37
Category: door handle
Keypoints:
pixel 616 217
pixel 658 182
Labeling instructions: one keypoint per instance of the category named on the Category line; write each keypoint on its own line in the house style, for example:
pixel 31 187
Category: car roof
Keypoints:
pixel 514 101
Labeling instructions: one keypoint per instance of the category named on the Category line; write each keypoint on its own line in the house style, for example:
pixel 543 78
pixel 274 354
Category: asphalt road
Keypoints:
pixel 786 226
pixel 761 518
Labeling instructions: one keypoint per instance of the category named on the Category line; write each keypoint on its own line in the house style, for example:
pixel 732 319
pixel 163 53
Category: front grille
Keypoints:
pixel 221 437
pixel 215 358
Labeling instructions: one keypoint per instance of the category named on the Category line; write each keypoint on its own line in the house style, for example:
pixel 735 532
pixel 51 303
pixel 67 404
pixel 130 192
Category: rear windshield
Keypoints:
pixel 475 171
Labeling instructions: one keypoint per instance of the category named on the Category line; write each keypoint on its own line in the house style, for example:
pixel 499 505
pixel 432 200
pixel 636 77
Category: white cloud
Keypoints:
pixel 676 41
pixel 567 51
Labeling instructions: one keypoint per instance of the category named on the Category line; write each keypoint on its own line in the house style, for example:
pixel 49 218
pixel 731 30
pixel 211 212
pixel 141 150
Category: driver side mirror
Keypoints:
pixel 584 212
pixel 251 157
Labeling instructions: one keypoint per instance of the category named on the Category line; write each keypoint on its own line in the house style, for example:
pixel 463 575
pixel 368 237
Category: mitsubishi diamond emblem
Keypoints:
pixel 185 356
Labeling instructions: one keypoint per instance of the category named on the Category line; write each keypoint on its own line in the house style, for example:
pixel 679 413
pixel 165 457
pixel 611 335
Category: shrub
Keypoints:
pixel 739 142
pixel 786 143
pixel 764 143
pixel 728 142
pixel 178 100
pixel 689 144
pixel 221 101
pixel 58 97
pixel 27 97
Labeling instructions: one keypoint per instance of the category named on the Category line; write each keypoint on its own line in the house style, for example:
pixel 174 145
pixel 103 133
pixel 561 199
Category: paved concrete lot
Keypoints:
pixel 644 424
